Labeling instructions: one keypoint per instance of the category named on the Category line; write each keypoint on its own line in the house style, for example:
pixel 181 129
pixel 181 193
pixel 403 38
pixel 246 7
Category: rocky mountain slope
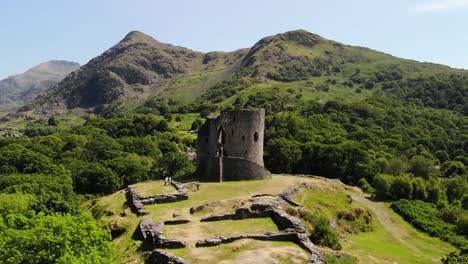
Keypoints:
pixel 139 66
pixel 19 89
pixel 135 66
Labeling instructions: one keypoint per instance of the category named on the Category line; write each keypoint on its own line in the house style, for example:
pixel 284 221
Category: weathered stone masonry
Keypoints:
pixel 230 146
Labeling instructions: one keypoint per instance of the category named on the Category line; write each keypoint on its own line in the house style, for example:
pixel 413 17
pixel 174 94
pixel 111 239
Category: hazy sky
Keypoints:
pixel 35 31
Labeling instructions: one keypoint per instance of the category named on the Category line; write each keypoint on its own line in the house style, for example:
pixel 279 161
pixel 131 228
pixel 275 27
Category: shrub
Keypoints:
pixel 322 233
pixel 424 216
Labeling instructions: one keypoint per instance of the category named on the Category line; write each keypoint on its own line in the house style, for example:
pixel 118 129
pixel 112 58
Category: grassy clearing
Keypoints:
pixel 186 123
pixel 245 251
pixel 227 193
pixel 154 188
pixel 392 240
pixel 195 231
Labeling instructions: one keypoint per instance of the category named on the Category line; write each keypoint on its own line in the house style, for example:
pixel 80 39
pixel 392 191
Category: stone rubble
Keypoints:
pixel 153 233
pixel 159 256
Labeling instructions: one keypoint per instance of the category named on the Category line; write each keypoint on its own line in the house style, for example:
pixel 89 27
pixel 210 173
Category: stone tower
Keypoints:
pixel 230 146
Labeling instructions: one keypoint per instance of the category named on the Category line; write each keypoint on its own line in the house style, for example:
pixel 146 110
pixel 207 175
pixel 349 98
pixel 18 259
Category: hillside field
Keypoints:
pixel 392 240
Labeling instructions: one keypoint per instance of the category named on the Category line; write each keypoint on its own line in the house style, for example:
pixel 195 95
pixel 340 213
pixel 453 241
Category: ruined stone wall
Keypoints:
pixel 241 135
pixel 237 169
pixel 244 134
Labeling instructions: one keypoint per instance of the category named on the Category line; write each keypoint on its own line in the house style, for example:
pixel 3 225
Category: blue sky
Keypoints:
pixel 36 31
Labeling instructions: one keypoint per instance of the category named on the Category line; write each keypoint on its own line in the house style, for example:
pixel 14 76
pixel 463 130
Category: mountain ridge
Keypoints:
pixel 18 89
pixel 139 67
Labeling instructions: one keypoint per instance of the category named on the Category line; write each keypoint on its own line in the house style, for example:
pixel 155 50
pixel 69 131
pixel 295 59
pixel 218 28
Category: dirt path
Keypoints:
pixel 393 226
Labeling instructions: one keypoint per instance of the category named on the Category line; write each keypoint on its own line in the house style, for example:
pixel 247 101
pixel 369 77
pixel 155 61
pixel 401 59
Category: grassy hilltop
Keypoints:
pixel 388 239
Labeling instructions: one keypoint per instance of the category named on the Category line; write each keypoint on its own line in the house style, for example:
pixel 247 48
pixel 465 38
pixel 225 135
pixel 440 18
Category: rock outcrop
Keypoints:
pixel 159 256
pixel 153 233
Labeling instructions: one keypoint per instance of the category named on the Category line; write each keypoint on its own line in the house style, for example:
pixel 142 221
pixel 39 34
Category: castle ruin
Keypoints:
pixel 230 147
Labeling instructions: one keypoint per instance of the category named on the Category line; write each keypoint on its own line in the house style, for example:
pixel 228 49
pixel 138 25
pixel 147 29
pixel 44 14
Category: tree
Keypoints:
pixel 131 168
pixel 421 166
pixel 452 168
pixel 55 239
pixel 96 179
pixel 174 164
pixel 401 188
pixel 395 167
pixel 456 187
pixel 419 189
pixel 381 184
pixel 282 155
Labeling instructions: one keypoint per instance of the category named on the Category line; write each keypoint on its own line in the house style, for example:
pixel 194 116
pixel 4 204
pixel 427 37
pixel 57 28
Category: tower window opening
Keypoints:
pixel 246 152
pixel 232 132
pixel 256 136
pixel 243 138
pixel 206 140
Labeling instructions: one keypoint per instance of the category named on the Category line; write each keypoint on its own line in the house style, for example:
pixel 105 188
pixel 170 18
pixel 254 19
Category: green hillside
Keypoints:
pixel 388 239
pixel 398 129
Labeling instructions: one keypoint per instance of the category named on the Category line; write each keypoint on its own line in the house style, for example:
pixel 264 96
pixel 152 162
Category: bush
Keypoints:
pixel 424 216
pixel 365 186
pixel 457 257
pixel 322 233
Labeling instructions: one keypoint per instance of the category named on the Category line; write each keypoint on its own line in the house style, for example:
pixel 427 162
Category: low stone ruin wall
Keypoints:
pixel 134 202
pixel 138 202
pixel 291 228
pixel 159 256
pixel 153 233
pixel 281 218
pixel 163 198
pixel 280 236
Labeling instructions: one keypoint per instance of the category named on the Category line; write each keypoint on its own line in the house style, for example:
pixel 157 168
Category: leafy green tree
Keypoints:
pixel 419 189
pixel 131 168
pixel 452 168
pixel 382 184
pixel 402 187
pixel 55 239
pixel 365 186
pixel 456 187
pixel 96 179
pixel 283 155
pixel 51 193
pixel 434 192
pixel 174 164
pixel 395 167
pixel 421 166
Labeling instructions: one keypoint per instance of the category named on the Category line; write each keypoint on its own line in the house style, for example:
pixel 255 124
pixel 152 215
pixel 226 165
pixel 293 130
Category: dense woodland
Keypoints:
pixel 397 129
pixel 44 178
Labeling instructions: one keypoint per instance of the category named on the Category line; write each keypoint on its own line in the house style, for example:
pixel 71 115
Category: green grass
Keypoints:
pixel 154 188
pixel 381 246
pixel 245 251
pixel 392 240
pixel 186 123
pixel 201 230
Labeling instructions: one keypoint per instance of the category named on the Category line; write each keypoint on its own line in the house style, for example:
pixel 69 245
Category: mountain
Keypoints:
pixel 139 67
pixel 136 66
pixel 19 89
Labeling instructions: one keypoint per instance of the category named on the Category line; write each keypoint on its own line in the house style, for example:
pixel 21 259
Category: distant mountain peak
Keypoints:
pixel 19 89
pixel 137 37
pixel 300 36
